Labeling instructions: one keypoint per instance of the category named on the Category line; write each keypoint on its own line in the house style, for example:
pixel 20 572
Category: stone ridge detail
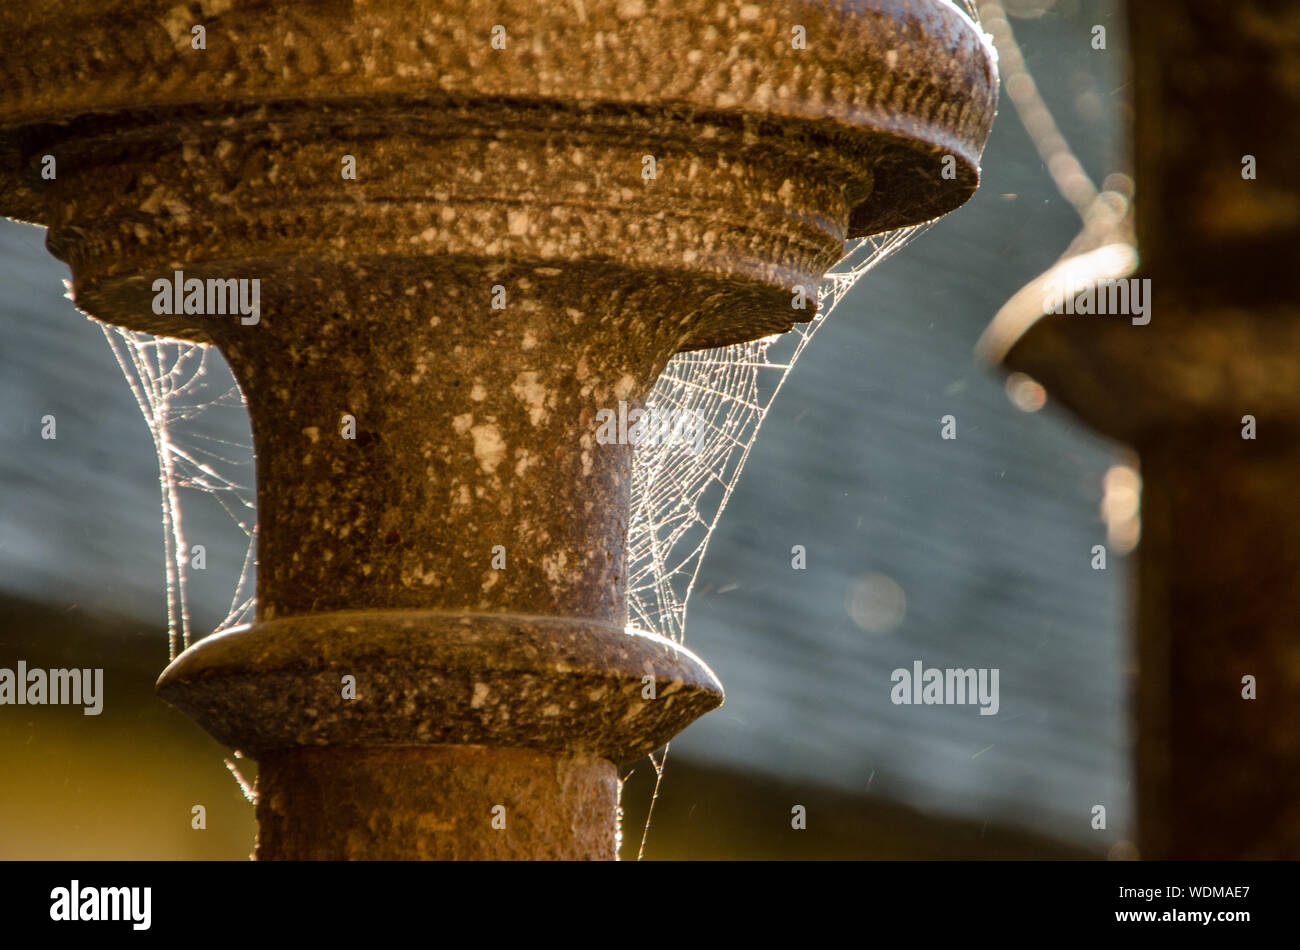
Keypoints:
pixel 494 182
pixel 434 242
pixel 914 72
pixel 540 683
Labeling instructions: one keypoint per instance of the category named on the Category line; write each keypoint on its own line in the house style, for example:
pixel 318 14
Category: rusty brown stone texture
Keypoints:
pixel 440 803
pixel 479 171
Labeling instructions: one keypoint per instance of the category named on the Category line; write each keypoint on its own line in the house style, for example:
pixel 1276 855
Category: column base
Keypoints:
pixel 437 802
pixel 400 678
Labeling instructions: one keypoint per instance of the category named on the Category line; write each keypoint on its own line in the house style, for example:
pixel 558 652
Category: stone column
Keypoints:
pixel 549 201
pixel 1218 569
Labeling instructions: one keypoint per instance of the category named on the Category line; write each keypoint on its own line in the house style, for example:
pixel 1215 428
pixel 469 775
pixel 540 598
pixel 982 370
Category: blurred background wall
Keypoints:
pixel 973 552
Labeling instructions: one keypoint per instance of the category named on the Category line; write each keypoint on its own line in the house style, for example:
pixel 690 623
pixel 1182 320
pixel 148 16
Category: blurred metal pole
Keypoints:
pixel 439 530
pixel 1216 134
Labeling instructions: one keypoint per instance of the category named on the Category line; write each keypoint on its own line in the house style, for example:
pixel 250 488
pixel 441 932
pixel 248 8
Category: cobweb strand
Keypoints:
pixel 679 489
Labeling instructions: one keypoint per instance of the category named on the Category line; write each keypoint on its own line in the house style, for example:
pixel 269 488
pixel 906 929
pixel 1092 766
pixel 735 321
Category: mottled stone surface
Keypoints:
pixel 440 803
pixel 913 76
pixel 543 683
pixel 439 188
pixel 475 480
pixel 631 178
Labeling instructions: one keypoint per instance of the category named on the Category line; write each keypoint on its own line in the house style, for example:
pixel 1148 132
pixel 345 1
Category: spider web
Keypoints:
pixel 201 434
pixel 681 487
pixel 199 423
